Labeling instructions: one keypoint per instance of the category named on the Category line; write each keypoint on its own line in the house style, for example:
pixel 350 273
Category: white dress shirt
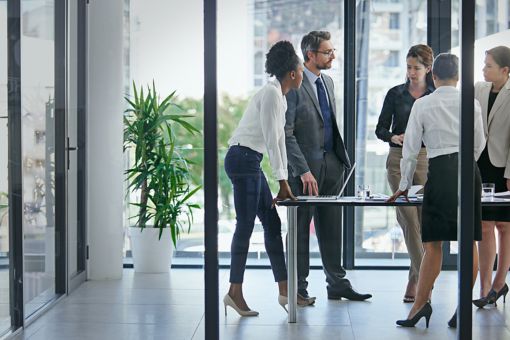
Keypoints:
pixel 312 78
pixel 262 127
pixel 435 120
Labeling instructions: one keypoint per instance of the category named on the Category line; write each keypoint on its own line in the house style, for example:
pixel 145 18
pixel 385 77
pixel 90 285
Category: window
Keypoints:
pixel 378 237
pixel 394 21
pixel 393 59
pixel 38 151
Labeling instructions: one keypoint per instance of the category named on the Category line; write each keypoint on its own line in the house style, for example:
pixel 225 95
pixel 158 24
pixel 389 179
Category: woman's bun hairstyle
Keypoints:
pixel 281 59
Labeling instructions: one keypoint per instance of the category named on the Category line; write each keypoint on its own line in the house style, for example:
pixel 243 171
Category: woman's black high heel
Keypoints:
pixel 453 321
pixel 492 297
pixel 481 302
pixel 425 311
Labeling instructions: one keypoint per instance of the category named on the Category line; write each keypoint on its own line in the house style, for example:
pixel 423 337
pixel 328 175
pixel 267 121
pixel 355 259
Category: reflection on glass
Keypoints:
pixel 146 24
pixel 259 25
pixel 5 320
pixel 492 28
pixel 241 56
pixel 38 152
pixel 391 28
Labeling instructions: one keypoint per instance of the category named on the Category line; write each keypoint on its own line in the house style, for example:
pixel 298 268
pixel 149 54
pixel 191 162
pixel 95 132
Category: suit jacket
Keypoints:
pixel 496 124
pixel 304 129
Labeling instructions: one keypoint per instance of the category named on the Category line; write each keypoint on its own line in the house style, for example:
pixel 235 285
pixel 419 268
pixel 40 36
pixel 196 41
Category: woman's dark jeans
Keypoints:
pixel 252 197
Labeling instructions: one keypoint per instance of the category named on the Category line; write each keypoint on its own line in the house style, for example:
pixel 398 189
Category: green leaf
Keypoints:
pixel 159 173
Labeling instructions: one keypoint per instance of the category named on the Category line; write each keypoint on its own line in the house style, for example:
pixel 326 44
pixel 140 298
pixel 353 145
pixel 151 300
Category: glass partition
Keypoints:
pixel 241 72
pixel 5 319
pixel 177 31
pixel 241 57
pixel 385 32
pixel 38 151
pixel 492 28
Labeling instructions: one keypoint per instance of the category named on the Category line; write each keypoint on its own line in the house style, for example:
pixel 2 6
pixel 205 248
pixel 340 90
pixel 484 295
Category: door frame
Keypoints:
pixel 80 276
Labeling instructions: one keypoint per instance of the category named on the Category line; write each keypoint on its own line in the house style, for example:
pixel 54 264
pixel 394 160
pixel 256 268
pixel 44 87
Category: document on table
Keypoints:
pixel 504 194
pixel 413 191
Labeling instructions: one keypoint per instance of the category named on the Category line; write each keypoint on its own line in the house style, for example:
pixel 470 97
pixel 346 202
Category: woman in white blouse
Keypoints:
pixel 434 120
pixel 261 130
pixel 494 163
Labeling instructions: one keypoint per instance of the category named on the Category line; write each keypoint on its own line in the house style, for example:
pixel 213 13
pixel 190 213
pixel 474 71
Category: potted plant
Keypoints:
pixel 160 174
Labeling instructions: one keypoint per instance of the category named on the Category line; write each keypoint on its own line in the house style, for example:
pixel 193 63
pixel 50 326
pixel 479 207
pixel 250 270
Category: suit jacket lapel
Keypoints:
pixel 308 89
pixel 484 103
pixel 500 99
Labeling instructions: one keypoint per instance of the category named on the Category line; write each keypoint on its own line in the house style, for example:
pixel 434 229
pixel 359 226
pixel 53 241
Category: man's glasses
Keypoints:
pixel 328 53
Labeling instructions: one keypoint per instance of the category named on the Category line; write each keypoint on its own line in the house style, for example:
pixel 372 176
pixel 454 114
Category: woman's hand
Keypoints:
pixel 398 139
pixel 284 193
pixel 397 194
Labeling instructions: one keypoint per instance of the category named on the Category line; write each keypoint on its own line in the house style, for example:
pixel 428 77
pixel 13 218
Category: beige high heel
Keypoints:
pixel 283 300
pixel 227 301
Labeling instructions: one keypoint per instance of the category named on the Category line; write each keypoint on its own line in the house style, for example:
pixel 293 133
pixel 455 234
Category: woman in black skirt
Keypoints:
pixel 434 120
pixel 494 97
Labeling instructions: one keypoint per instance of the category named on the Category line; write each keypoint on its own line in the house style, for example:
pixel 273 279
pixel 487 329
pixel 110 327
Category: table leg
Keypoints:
pixel 291 261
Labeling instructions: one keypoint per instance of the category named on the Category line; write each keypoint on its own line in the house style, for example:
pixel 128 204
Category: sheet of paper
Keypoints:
pixel 414 190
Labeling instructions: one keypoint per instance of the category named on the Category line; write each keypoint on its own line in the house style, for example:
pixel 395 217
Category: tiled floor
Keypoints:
pixel 144 306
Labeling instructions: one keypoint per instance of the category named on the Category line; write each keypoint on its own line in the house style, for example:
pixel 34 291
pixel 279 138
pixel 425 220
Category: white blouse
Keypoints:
pixel 435 120
pixel 262 127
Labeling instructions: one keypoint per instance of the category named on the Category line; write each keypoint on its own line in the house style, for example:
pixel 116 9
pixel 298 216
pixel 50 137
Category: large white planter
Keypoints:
pixel 150 254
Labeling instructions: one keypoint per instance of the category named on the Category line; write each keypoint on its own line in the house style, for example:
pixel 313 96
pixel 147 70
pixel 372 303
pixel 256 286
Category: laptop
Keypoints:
pixel 330 197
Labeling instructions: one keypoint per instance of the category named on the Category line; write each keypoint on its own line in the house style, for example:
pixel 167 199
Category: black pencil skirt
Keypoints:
pixel 492 174
pixel 439 213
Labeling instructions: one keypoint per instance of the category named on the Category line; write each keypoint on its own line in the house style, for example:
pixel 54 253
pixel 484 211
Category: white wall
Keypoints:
pixel 104 139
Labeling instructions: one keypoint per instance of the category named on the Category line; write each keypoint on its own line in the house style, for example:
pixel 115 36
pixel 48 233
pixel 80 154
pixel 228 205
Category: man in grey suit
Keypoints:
pixel 317 162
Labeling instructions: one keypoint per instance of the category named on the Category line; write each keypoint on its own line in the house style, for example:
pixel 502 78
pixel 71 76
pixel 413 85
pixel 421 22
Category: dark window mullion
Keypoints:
pixel 15 164
pixel 350 117
pixel 60 128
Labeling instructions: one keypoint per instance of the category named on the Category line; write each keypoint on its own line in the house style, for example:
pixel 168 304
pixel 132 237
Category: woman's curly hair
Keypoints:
pixel 281 59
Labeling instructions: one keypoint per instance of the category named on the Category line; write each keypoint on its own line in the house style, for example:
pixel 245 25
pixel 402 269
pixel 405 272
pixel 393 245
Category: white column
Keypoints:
pixel 104 139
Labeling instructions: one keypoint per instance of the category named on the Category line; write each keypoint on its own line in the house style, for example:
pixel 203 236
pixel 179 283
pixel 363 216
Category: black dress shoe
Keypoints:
pixel 349 294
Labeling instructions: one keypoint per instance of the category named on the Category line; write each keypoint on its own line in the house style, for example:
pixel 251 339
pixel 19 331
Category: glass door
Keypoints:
pixel 75 61
pixel 38 151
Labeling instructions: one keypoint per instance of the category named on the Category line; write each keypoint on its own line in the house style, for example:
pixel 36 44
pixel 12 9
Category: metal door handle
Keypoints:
pixel 69 148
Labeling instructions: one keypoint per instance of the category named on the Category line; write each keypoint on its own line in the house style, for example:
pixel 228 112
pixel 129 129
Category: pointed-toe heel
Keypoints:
pixel 283 301
pixel 227 301
pixel 452 323
pixel 494 296
pixel 425 311
pixel 481 302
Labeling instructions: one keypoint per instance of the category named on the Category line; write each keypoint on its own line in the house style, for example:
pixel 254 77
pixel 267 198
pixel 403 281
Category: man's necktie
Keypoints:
pixel 326 115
